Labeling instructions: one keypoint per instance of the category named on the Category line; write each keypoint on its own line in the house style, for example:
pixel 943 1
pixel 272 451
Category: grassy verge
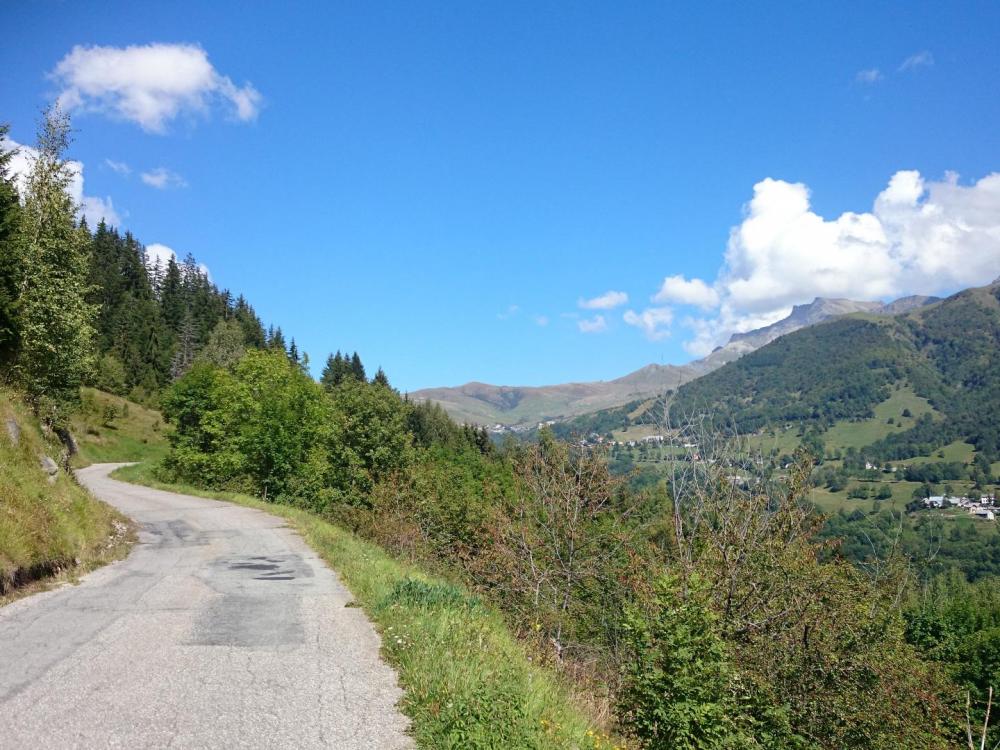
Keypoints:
pixel 468 683
pixel 49 530
pixel 110 429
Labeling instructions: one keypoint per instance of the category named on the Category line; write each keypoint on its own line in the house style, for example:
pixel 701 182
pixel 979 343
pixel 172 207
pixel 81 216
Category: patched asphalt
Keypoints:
pixel 221 629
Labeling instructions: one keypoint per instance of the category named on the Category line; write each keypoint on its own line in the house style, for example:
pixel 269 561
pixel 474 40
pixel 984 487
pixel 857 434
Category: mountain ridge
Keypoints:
pixel 517 406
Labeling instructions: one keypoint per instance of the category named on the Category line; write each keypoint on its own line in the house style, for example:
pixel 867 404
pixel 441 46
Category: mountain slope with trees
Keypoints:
pixel 948 352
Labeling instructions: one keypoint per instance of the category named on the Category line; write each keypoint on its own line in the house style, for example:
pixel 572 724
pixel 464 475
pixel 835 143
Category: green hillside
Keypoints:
pixel 112 428
pixel 934 371
pixel 48 523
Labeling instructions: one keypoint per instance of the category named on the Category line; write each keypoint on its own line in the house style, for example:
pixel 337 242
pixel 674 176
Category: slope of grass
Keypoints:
pixel 958 451
pixel 780 440
pixel 858 434
pixel 47 528
pixel 468 682
pixel 110 429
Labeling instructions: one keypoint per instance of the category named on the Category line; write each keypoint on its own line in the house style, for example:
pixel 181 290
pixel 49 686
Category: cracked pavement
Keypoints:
pixel 221 629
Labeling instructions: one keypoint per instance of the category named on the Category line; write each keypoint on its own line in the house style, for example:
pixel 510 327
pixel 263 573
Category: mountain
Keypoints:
pixel 482 403
pixel 947 352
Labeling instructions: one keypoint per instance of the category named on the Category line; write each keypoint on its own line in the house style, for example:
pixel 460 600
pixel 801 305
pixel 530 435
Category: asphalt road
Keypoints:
pixel 222 629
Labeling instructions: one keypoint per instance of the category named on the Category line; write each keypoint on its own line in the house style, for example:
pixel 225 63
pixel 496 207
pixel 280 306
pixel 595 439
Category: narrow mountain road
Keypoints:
pixel 222 629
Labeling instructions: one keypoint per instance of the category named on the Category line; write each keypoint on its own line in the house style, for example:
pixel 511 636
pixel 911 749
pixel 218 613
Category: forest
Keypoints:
pixel 709 608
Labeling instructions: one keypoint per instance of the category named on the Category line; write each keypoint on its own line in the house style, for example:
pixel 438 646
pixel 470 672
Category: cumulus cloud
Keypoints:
pixel 607 301
pixel 150 84
pixel 654 322
pixel 96 210
pixel 93 208
pixel 922 59
pixel 158 252
pixel 869 76
pixel 597 324
pixel 694 292
pixel 921 237
pixel 162 178
pixel 118 166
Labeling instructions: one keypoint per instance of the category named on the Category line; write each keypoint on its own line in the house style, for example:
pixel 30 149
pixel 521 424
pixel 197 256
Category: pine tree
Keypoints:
pixel 293 352
pixel 334 371
pixel 186 348
pixel 357 369
pixel 276 341
pixel 172 296
pixel 10 264
pixel 328 377
pixel 56 320
pixel 155 275
pixel 253 332
pixel 381 378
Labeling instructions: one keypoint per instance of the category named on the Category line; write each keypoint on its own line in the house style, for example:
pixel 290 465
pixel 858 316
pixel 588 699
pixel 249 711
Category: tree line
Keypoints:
pixel 91 306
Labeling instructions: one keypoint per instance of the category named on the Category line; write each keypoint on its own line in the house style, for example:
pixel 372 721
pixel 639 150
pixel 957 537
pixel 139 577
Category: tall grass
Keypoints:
pixel 47 528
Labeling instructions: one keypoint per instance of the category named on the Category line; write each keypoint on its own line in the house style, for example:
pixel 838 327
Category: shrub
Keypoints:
pixel 676 690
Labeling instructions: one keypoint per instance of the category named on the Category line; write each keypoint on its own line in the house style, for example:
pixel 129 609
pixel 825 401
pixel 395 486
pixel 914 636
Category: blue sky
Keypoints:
pixel 440 185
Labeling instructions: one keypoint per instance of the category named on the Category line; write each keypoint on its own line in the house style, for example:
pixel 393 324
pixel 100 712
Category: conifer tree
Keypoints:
pixel 293 352
pixel 187 343
pixel 357 369
pixel 10 264
pixel 333 371
pixel 276 341
pixel 253 332
pixel 155 276
pixel 381 378
pixel 56 321
pixel 172 296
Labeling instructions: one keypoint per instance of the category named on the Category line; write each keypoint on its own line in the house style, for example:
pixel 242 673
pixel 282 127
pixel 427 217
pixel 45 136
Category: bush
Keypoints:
pixel 676 690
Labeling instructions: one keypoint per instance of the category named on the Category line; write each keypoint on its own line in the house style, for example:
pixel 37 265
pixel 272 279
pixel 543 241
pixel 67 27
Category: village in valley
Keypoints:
pixel 983 507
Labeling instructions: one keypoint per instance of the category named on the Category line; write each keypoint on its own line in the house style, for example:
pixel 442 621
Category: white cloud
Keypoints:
pixel 923 59
pixel 149 84
pixel 870 76
pixel 694 292
pixel 510 312
pixel 597 324
pixel 118 166
pixel 541 320
pixel 162 178
pixel 99 209
pixel 654 322
pixel 921 237
pixel 93 208
pixel 607 301
pixel 158 252
pixel 162 253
